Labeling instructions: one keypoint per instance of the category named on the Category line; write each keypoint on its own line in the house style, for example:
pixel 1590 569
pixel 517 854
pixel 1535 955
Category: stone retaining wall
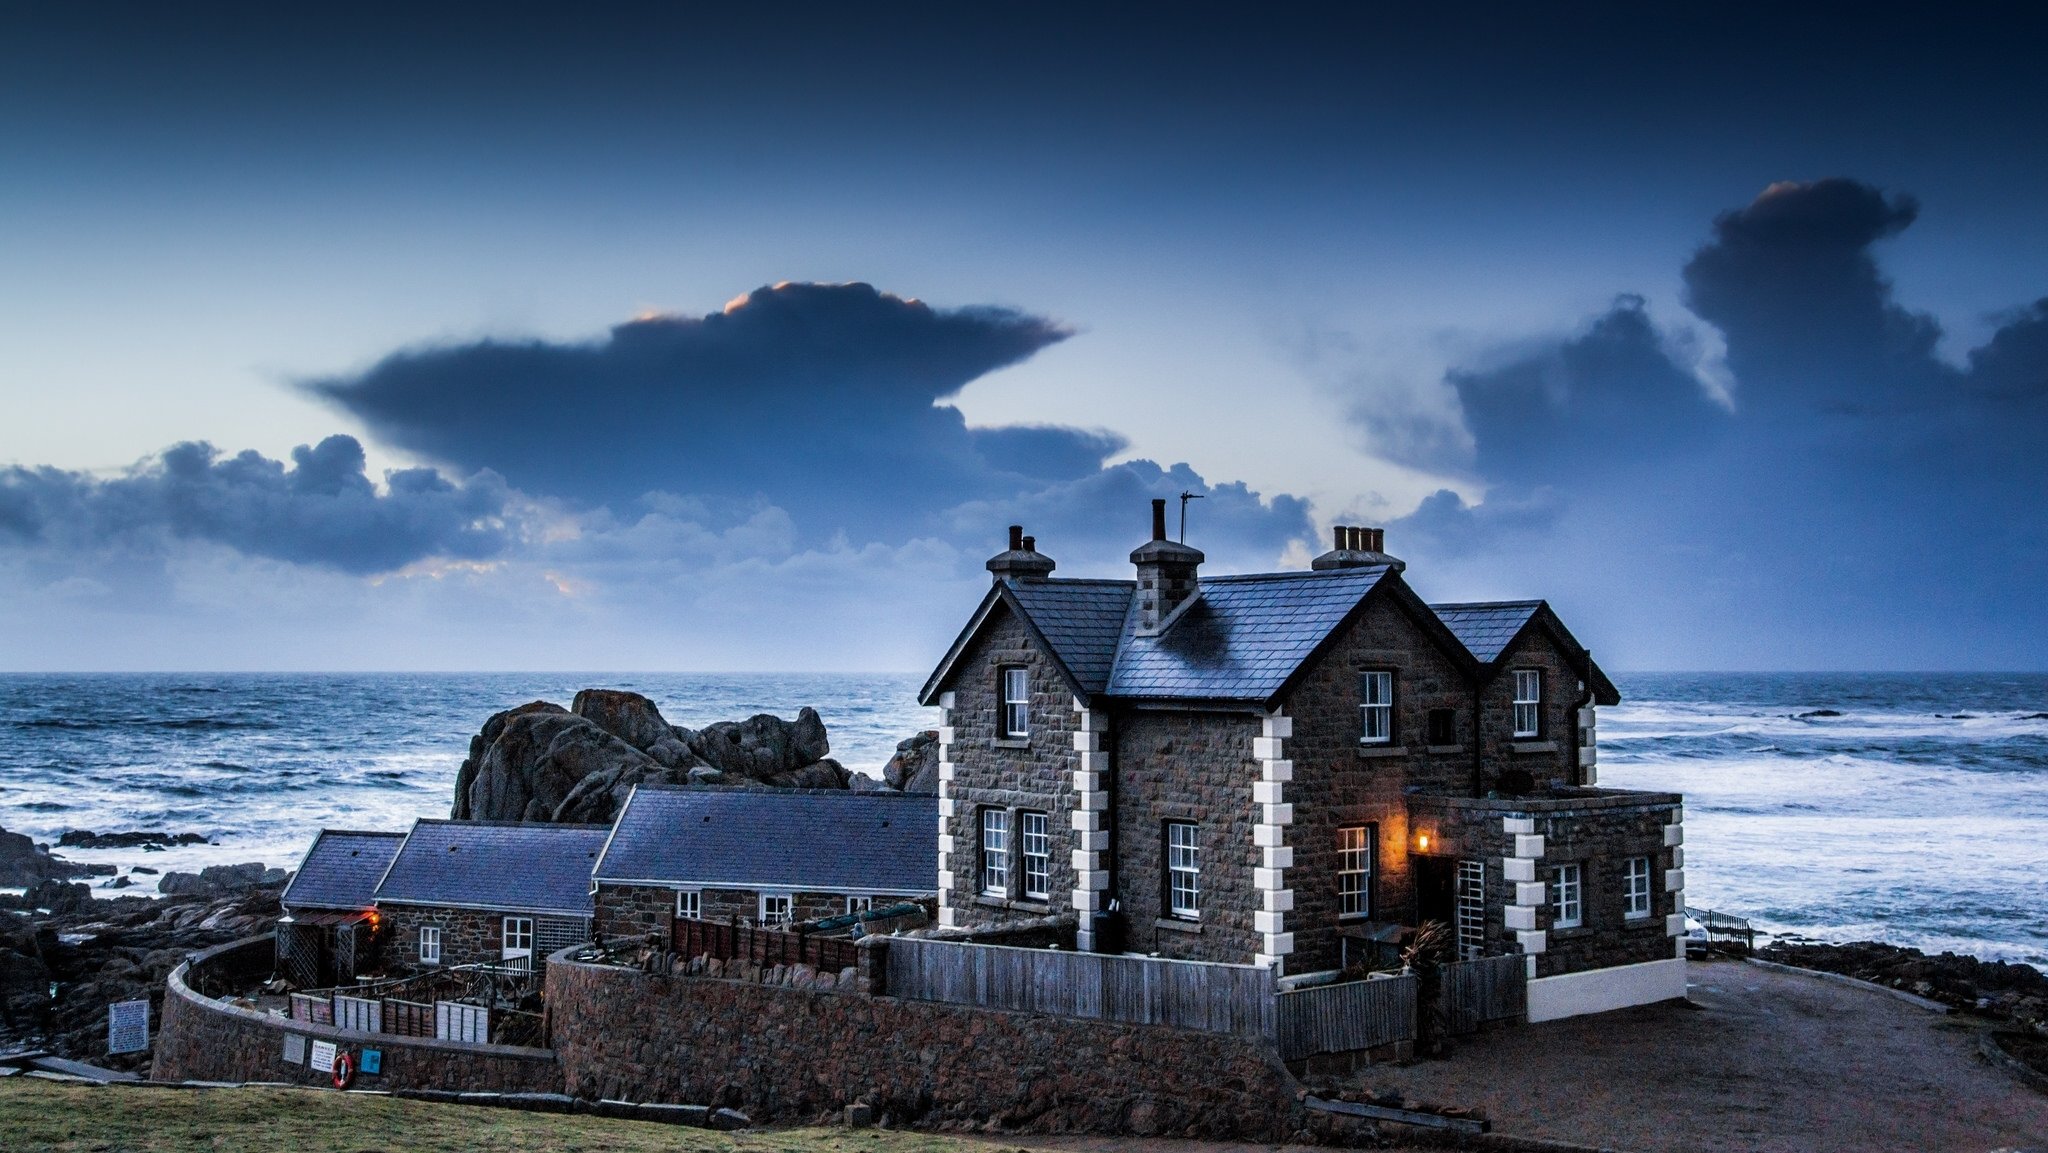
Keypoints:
pixel 785 1054
pixel 201 1039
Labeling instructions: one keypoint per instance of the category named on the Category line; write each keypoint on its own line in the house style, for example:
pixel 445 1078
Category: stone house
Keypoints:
pixel 760 857
pixel 1293 769
pixel 329 929
pixel 470 892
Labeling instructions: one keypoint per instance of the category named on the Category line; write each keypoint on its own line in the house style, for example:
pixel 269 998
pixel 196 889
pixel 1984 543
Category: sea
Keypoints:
pixel 1907 808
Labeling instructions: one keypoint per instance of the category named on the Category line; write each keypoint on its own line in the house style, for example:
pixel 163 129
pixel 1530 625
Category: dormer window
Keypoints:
pixel 1528 703
pixel 1014 684
pixel 1376 708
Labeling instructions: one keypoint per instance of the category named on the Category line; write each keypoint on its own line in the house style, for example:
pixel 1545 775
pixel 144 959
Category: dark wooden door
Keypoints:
pixel 1436 891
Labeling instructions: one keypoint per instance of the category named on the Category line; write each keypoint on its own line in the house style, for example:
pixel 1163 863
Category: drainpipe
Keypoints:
pixel 1478 735
pixel 1579 770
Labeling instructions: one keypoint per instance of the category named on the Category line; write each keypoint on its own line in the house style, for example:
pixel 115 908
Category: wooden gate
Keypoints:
pixel 1474 993
pixel 1346 1017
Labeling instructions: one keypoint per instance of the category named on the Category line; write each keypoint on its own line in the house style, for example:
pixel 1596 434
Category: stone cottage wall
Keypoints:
pixel 1549 757
pixel 468 936
pixel 1600 839
pixel 1339 783
pixel 201 1039
pixel 785 1054
pixel 1183 766
pixel 1036 774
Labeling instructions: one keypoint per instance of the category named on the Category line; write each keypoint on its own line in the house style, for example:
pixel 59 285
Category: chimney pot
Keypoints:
pixel 1159 518
pixel 1030 544
pixel 1016 537
pixel 1339 546
pixel 1350 538
pixel 1379 540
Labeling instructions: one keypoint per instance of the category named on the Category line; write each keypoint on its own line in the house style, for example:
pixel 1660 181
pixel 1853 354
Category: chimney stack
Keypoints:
pixel 1167 574
pixel 1357 547
pixel 1023 560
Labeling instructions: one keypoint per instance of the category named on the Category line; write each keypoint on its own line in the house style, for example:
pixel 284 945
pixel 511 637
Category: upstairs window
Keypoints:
pixel 1183 870
pixel 1356 848
pixel 1015 690
pixel 860 904
pixel 1443 727
pixel 1035 846
pixel 1635 888
pixel 430 945
pixel 1567 897
pixel 995 852
pixel 1528 702
pixel 689 904
pixel 1376 706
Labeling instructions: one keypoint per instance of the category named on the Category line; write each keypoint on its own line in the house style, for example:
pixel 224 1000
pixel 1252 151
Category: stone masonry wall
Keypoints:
pixel 1600 841
pixel 468 936
pixel 200 1039
pixel 1474 834
pixel 786 1054
pixel 1182 766
pixel 1549 757
pixel 630 912
pixel 1036 774
pixel 1339 783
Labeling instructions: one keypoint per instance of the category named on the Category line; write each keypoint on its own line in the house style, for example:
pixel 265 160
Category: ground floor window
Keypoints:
pixel 1184 869
pixel 430 945
pixel 859 904
pixel 518 940
pixel 1635 888
pixel 995 852
pixel 1035 846
pixel 1471 910
pixel 690 904
pixel 1567 897
pixel 1356 850
pixel 777 908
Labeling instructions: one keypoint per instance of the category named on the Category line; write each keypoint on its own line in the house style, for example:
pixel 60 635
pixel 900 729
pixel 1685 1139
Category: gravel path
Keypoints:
pixel 1759 1060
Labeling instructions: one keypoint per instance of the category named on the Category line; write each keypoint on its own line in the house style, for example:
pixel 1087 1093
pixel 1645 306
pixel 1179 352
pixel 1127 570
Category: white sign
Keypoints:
pixel 323 1056
pixel 127 1026
pixel 295 1050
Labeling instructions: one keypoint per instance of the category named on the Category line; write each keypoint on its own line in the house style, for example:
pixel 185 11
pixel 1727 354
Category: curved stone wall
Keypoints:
pixel 201 1039
pixel 788 1054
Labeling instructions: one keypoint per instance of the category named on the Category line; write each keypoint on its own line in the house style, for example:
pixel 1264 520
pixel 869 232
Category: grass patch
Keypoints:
pixel 43 1115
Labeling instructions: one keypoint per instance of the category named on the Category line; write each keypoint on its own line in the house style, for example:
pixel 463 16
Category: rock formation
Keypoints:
pixel 915 767
pixel 541 762
pixel 23 863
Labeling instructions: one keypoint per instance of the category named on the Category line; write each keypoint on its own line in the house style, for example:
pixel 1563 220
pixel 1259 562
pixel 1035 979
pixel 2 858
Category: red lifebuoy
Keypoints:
pixel 344 1070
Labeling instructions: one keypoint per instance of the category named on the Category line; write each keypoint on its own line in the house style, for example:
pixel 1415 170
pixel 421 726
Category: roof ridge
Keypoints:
pixel 471 824
pixel 359 833
pixel 773 791
pixel 1530 602
pixel 1303 574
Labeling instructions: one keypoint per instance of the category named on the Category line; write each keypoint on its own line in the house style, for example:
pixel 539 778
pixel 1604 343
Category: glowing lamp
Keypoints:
pixel 1422 842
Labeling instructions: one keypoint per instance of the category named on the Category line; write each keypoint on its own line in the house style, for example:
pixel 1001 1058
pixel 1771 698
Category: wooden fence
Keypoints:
pixel 693 938
pixel 408 1018
pixel 1212 998
pixel 1480 991
pixel 1345 1017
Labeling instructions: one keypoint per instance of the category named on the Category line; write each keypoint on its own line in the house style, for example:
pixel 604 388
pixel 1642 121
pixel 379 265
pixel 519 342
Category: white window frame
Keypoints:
pixel 995 852
pixel 776 908
pixel 520 930
pixel 1376 707
pixel 1357 853
pixel 1034 850
pixel 1183 844
pixel 1528 703
pixel 1014 702
pixel 859 904
pixel 1567 897
pixel 690 904
pixel 430 944
pixel 1635 888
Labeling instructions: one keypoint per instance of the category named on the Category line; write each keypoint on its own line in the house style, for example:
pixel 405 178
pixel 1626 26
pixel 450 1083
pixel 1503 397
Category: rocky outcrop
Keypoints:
pixel 915 767
pixel 223 881
pixel 133 839
pixel 541 762
pixel 2001 990
pixel 23 863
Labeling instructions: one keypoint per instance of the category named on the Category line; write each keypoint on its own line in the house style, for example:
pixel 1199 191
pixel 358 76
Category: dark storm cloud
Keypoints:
pixel 818 396
pixel 322 510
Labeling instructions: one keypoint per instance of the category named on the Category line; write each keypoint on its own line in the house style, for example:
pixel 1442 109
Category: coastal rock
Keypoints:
pixel 222 880
pixel 915 767
pixel 133 839
pixel 480 747
pixel 764 745
pixel 628 716
pixel 22 864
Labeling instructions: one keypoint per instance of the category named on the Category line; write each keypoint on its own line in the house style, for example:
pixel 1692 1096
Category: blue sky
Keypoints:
pixel 1508 283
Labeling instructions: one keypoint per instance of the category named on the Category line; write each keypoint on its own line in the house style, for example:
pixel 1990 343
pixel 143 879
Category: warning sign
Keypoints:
pixel 295 1050
pixel 323 1055
pixel 127 1026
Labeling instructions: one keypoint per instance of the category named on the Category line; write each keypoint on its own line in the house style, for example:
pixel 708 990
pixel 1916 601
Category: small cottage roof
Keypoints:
pixel 341 869
pixel 495 865
pixel 1488 628
pixel 822 840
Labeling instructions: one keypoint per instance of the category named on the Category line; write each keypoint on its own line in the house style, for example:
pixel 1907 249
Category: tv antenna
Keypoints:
pixel 1185 497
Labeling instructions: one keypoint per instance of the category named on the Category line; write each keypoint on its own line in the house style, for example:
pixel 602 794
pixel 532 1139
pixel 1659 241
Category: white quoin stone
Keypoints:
pixel 1083 821
pixel 1674 925
pixel 1088 900
pixel 1086 742
pixel 1678 858
pixel 1521 825
pixel 949 917
pixel 1528 845
pixel 945 772
pixel 1094 880
pixel 1518 868
pixel 1277 900
pixel 946 699
pixel 1674 880
pixel 1279 726
pixel 1270 880
pixel 1092 802
pixel 1533 943
pixel 1086 782
pixel 1268 748
pixel 1093 722
pixel 1280 771
pixel 945 806
pixel 1279 944
pixel 1277 857
pixel 1520 917
pixel 1082 859
pixel 1095 842
pixel 1674 835
pixel 946 734
pixel 1266 922
pixel 945 843
pixel 945 884
pixel 1277 814
pixel 1094 762
pixel 1531 893
pixel 1268 836
pixel 1267 792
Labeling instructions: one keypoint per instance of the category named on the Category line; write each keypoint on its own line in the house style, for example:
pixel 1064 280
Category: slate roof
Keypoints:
pixel 341 869
pixel 496 865
pixel 826 840
pixel 1242 639
pixel 1081 619
pixel 1485 629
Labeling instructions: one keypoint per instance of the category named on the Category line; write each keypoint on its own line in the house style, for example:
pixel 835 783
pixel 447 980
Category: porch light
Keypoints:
pixel 1422 842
